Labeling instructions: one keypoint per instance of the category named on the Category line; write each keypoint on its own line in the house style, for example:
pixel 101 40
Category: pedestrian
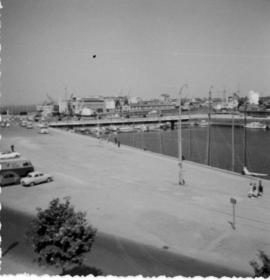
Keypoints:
pixel 115 140
pixel 250 192
pixel 254 190
pixel 12 148
pixel 260 188
pixel 118 143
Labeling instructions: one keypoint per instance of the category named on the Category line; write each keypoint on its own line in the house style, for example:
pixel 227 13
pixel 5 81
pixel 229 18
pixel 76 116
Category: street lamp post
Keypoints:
pixel 181 180
pixel 209 127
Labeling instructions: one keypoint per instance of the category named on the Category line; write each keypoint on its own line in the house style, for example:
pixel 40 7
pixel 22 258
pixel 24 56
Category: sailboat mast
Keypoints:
pixel 233 145
pixel 189 135
pixel 209 127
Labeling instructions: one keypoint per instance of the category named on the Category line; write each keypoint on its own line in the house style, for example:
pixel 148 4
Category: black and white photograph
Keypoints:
pixel 135 138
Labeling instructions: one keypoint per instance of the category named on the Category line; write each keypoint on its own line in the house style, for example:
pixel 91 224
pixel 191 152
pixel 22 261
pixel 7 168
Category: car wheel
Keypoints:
pixel 32 184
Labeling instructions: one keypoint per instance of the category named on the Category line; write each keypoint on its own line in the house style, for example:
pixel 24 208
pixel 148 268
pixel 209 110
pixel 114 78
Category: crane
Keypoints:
pixel 52 101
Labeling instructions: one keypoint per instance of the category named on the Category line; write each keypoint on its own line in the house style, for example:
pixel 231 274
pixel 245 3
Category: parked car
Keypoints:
pixel 44 130
pixel 23 123
pixel 9 155
pixel 29 125
pixel 9 178
pixel 36 177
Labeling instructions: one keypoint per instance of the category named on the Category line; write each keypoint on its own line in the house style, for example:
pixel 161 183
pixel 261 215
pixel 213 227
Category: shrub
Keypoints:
pixel 60 236
pixel 262 269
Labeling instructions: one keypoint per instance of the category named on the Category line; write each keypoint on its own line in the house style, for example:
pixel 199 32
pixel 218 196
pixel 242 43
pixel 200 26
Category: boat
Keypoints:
pixel 113 128
pixel 165 126
pixel 255 174
pixel 256 125
pixel 142 127
pixel 126 129
pixel 203 123
pixel 154 127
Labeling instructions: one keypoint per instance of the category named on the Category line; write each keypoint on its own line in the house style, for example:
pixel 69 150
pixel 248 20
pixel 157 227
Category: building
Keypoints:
pixel 253 97
pixel 48 109
pixel 63 106
pixel 133 100
pixel 95 104
pixel 144 107
pixel 109 104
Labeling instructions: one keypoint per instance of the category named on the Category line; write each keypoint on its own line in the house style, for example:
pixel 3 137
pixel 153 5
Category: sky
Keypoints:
pixel 143 48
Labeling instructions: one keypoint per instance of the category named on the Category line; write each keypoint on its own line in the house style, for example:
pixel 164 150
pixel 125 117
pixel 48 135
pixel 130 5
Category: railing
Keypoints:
pixel 119 121
pixel 226 119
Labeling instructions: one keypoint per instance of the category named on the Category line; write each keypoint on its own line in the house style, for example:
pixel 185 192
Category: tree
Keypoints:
pixel 117 104
pixel 126 101
pixel 263 269
pixel 242 101
pixel 61 236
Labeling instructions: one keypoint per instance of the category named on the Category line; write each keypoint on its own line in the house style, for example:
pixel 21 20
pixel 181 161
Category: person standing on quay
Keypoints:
pixel 12 148
pixel 118 143
pixel 260 188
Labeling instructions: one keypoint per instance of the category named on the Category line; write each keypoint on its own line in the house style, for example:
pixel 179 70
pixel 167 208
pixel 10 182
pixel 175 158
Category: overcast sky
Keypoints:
pixel 143 48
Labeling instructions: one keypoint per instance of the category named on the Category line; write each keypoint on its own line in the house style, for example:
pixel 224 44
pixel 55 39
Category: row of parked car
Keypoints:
pixel 15 169
pixel 43 127
pixel 27 124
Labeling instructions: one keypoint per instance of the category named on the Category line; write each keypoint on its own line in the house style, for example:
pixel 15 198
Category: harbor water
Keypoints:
pixel 195 146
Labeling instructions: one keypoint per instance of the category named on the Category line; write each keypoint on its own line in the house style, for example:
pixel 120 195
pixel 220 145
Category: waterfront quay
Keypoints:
pixel 217 119
pixel 153 226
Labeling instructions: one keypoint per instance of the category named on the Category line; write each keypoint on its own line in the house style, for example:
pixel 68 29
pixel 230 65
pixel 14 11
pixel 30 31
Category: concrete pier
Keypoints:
pixel 134 194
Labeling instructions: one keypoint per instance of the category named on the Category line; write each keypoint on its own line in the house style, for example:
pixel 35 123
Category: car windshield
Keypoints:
pixel 30 175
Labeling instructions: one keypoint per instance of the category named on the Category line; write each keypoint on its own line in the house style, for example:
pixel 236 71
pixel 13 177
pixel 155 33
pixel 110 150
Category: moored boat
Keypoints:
pixel 126 129
pixel 256 125
pixel 113 128
pixel 142 127
pixel 154 127
pixel 203 123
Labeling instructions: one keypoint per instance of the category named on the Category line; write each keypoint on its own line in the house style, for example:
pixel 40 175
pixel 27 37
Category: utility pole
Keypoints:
pixel 233 152
pixel 209 126
pixel 189 135
pixel 181 180
pixel 233 130
pixel 245 134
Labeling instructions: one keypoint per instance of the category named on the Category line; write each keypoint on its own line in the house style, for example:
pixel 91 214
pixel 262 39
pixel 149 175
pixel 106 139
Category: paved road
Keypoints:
pixel 111 255
pixel 134 195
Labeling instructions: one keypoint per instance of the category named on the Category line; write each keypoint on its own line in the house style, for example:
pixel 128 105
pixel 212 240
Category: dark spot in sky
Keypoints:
pixel 94 56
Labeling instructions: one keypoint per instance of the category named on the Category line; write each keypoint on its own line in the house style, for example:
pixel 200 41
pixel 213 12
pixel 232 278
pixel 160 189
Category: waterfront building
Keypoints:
pixel 96 104
pixel 166 98
pixel 48 109
pixel 151 105
pixel 63 106
pixel 109 104
pixel 232 103
pixel 253 97
pixel 134 100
